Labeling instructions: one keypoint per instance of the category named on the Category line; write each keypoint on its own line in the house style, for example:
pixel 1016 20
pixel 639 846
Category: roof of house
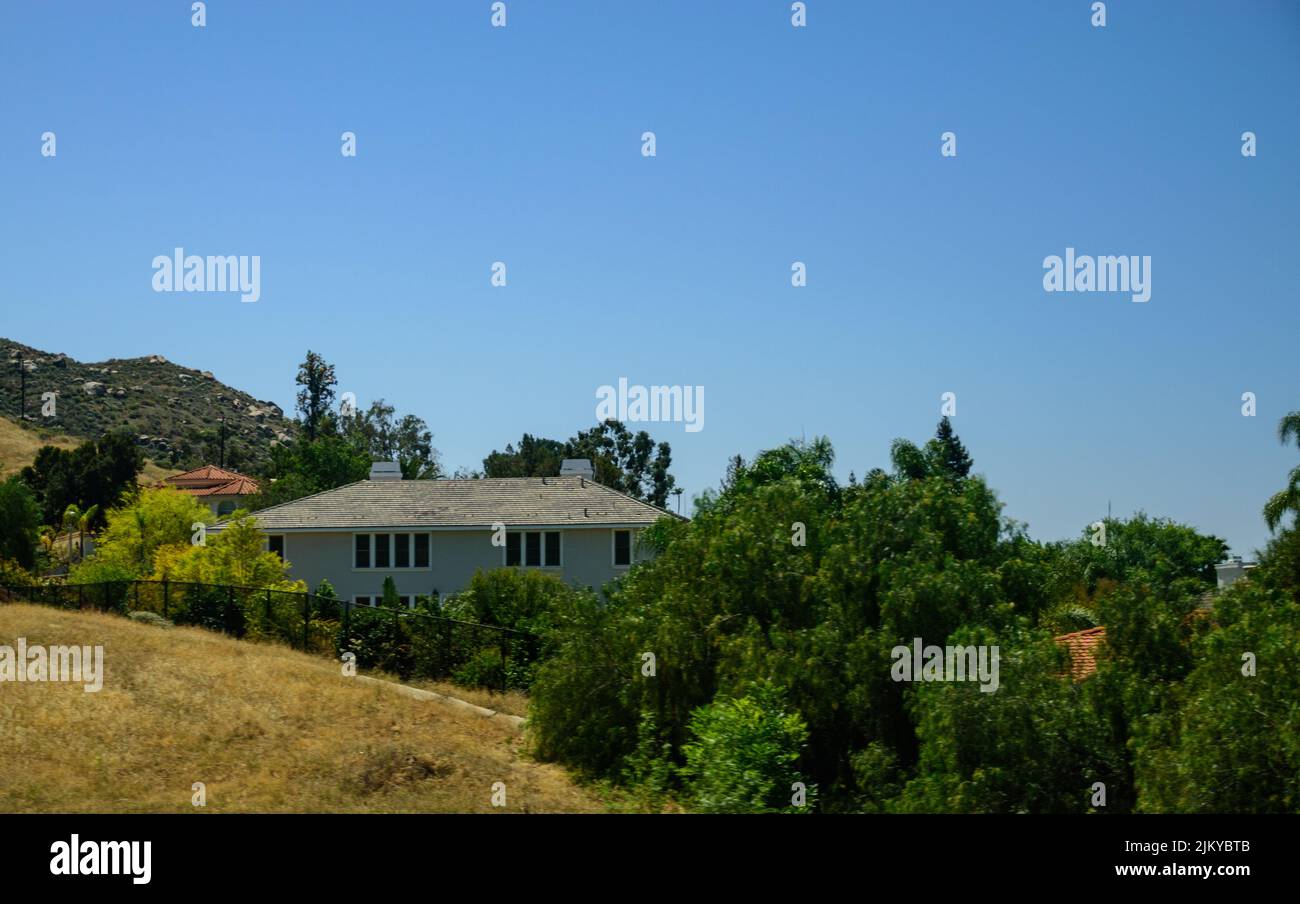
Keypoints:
pixel 1082 646
pixel 210 480
pixel 515 501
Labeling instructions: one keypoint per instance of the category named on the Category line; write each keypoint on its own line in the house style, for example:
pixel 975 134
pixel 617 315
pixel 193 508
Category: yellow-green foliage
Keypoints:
pixel 156 519
pixel 232 556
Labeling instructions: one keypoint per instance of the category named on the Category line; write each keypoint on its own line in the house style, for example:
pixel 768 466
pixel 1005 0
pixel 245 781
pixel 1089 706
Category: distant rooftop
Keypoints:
pixel 1082 646
pixel 422 504
pixel 211 480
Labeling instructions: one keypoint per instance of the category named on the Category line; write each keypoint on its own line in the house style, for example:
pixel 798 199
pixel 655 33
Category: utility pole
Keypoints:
pixel 221 462
pixel 22 389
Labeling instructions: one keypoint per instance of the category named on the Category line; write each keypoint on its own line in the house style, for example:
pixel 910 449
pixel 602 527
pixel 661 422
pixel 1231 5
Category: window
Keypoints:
pixel 406 602
pixel 225 508
pixel 622 548
pixel 534 549
pixel 275 544
pixel 398 551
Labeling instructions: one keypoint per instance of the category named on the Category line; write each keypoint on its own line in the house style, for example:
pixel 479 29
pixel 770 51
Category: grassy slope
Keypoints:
pixel 18 449
pixel 267 729
pixel 18 446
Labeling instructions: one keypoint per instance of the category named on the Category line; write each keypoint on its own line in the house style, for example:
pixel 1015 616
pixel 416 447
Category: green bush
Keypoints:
pixel 482 670
pixel 743 756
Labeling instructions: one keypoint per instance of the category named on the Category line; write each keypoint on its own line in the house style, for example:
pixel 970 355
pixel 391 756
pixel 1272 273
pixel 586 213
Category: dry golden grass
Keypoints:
pixel 153 473
pixel 18 446
pixel 18 449
pixel 265 728
pixel 511 703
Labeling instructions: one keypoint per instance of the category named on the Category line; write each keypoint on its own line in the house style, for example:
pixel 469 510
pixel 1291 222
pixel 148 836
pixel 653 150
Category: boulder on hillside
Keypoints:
pixel 93 388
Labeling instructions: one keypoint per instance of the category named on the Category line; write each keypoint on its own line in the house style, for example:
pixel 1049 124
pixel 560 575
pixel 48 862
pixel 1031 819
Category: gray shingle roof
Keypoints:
pixel 517 501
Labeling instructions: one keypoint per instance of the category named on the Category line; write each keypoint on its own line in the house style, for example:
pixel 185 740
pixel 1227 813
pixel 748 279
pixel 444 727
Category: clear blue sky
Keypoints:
pixel 775 144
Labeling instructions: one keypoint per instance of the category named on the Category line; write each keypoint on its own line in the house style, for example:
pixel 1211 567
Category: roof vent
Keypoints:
pixel 577 467
pixel 385 470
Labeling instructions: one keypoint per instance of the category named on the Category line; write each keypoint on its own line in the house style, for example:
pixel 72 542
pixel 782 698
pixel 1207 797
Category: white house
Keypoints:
pixel 430 536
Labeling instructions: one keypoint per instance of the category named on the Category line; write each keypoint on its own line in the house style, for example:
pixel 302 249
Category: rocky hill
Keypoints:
pixel 175 412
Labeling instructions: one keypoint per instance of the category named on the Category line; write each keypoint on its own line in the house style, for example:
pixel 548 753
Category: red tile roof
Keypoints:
pixel 1082 646
pixel 210 480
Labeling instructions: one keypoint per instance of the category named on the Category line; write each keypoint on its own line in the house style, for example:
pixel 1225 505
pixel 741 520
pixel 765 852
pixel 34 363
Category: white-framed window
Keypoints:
pixel 397 551
pixel 534 549
pixel 406 602
pixel 621 548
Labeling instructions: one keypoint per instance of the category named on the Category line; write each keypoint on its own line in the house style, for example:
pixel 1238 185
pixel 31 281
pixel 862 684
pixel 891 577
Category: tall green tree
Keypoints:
pixel 316 398
pixel 405 440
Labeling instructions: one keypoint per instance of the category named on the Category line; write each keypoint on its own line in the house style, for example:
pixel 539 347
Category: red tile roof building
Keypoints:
pixel 1082 647
pixel 222 490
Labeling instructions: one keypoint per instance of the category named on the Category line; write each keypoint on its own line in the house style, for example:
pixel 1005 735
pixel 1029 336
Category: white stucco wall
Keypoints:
pixel 587 561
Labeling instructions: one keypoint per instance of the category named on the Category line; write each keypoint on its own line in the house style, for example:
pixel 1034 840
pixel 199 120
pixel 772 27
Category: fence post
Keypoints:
pixel 268 607
pixel 107 588
pixel 505 645
pixel 80 601
pixel 306 621
pixel 166 597
pixel 136 587
pixel 347 619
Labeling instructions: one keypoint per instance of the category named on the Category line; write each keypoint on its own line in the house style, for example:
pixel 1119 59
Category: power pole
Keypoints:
pixel 22 390
pixel 221 463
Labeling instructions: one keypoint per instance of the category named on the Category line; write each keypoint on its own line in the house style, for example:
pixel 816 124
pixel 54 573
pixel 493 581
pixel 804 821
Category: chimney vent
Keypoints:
pixel 577 467
pixel 385 470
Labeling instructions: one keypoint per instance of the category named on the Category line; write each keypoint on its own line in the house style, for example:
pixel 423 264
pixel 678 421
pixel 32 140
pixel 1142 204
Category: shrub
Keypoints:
pixel 742 758
pixel 482 670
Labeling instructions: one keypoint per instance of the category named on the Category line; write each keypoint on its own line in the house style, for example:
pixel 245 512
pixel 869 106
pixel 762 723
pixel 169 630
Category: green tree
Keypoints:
pixel 233 555
pixel 629 462
pixel 98 473
pixel 1230 743
pixel 20 521
pixel 303 468
pixel 1287 500
pixel 126 548
pixel 405 440
pixel 316 398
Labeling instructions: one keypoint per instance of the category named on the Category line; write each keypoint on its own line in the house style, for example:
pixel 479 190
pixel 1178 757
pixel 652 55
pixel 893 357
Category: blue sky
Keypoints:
pixel 774 144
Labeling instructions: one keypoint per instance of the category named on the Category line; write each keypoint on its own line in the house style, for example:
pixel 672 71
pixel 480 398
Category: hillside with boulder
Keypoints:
pixel 174 412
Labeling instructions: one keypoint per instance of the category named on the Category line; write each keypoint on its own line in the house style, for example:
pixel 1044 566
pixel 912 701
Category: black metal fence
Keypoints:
pixel 411 643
